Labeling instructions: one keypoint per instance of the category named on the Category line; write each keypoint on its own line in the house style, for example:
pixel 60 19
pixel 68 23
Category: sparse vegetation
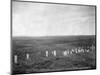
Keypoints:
pixel 38 61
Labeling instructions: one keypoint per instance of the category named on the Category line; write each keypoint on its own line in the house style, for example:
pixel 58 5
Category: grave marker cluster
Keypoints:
pixel 55 53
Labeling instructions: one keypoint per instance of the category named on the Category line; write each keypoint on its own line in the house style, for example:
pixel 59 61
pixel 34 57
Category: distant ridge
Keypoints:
pixel 54 37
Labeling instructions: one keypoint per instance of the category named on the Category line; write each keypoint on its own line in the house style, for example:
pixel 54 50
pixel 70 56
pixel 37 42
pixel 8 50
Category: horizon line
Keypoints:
pixel 55 35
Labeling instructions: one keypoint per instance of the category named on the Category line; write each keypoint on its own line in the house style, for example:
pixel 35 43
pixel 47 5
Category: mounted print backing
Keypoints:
pixel 52 37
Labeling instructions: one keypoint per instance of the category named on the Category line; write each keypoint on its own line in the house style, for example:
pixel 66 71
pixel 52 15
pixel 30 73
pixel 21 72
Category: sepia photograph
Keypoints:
pixel 52 37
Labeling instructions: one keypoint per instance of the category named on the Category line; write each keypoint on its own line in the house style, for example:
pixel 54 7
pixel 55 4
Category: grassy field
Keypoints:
pixel 38 62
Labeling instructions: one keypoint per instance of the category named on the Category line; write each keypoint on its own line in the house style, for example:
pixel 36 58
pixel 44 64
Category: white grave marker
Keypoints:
pixel 54 52
pixel 70 52
pixel 46 53
pixel 65 53
pixel 87 50
pixel 27 56
pixel 15 59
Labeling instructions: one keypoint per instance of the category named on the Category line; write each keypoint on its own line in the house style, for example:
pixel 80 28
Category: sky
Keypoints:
pixel 42 19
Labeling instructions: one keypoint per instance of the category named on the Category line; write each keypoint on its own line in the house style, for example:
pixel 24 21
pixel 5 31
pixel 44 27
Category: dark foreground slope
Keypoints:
pixel 39 62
